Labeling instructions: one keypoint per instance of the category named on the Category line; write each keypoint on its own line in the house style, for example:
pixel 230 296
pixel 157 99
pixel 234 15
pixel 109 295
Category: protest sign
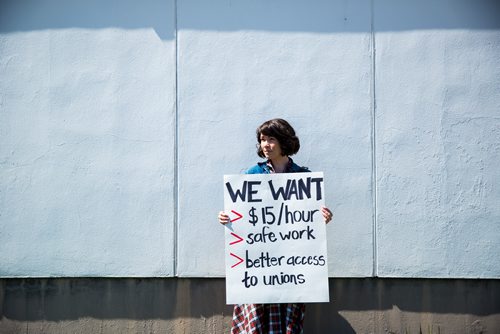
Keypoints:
pixel 276 240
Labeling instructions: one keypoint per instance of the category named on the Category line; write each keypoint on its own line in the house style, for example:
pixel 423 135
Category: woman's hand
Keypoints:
pixel 223 218
pixel 327 214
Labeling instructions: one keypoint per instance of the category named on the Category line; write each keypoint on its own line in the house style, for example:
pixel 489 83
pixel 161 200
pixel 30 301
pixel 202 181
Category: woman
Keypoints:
pixel 276 142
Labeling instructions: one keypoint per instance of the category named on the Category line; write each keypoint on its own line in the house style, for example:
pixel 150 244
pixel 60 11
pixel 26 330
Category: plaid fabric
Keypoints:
pixel 268 319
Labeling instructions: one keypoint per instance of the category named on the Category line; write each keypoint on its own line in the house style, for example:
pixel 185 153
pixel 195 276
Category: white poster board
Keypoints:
pixel 275 243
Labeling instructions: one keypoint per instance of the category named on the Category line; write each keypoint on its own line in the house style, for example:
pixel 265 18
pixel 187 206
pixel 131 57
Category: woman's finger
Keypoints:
pixel 223 218
pixel 327 214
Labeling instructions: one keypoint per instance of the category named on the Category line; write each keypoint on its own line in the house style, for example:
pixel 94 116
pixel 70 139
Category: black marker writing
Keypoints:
pixel 242 193
pixel 298 189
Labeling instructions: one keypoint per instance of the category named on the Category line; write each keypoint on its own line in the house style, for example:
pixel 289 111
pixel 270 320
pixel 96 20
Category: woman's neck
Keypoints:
pixel 280 164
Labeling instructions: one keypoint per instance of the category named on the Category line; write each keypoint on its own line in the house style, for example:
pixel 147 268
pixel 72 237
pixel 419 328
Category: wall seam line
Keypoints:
pixel 373 143
pixel 176 150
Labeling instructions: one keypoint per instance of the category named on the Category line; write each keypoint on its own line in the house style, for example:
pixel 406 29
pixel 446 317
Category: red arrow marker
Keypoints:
pixel 239 258
pixel 240 239
pixel 236 213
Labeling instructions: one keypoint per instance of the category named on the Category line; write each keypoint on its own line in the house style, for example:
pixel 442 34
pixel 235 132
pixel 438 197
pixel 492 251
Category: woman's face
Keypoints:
pixel 270 147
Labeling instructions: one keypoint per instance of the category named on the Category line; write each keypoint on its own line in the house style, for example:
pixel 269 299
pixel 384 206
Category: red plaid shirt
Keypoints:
pixel 268 318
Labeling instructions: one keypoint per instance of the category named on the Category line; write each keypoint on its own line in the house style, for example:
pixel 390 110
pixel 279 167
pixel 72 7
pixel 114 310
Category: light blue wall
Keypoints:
pixel 438 140
pixel 87 106
pixel 119 118
pixel 300 62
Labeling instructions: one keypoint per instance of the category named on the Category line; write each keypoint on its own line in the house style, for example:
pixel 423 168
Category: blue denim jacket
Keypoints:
pixel 263 168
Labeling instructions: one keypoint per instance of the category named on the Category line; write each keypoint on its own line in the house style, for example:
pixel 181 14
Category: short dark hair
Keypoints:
pixel 284 134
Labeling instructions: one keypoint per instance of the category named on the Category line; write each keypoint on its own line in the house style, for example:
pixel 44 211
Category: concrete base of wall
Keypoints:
pixel 194 305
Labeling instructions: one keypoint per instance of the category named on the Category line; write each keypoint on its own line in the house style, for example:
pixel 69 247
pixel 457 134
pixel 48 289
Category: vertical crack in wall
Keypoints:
pixel 373 142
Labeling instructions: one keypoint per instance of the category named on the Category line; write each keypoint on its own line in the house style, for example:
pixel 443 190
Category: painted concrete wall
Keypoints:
pixel 197 306
pixel 118 120
pixel 438 140
pixel 87 105
pixel 237 68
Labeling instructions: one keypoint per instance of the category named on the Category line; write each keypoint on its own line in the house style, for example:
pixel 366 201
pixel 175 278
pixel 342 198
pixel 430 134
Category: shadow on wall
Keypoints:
pixel 223 15
pixel 31 15
pixel 338 16
pixel 430 296
pixel 110 298
pixel 171 298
